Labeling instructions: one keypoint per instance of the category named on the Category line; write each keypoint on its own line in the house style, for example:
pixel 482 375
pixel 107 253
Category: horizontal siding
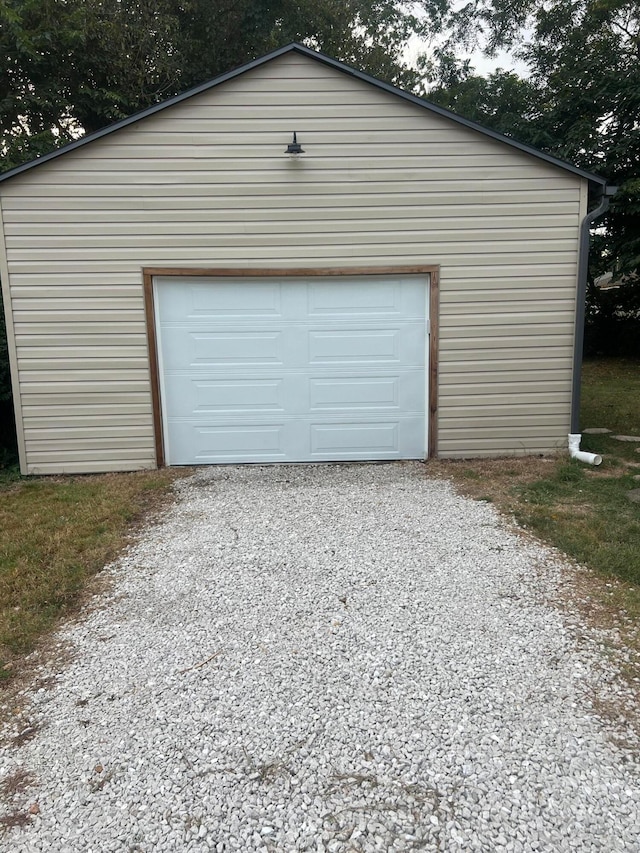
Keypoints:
pixel 286 193
pixel 188 169
pixel 506 266
pixel 511 295
pixel 267 246
pixel 206 184
pixel 92 464
pixel 136 154
pixel 116 350
pixel 26 223
pixel 118 415
pixel 517 403
pixel 82 209
pixel 151 233
pixel 461 385
pixel 44 461
pixel 505 445
pixel 77 383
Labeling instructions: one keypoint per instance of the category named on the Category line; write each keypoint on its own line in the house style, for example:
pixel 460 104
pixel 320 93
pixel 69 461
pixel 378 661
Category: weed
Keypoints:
pixel 355 779
pixel 470 474
pixel 570 471
pixel 269 770
pixel 16 782
pixel 14 819
pixel 25 736
pixel 97 784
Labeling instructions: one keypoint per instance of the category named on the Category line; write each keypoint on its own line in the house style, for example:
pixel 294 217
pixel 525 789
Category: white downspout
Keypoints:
pixel 582 455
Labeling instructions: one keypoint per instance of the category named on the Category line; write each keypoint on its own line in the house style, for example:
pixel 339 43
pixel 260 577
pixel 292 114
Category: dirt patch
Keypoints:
pixel 495 479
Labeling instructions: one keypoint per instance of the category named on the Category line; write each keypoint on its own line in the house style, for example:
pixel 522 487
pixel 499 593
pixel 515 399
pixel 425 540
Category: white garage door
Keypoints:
pixel 292 369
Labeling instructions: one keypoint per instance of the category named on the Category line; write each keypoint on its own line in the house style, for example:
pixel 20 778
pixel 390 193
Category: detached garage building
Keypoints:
pixel 179 290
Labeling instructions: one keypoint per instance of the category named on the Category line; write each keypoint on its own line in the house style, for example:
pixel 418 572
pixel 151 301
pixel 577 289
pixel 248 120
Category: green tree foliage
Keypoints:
pixel 502 101
pixel 581 103
pixel 74 66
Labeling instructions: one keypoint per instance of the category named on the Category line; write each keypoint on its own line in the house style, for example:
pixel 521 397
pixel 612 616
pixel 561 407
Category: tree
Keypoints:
pixel 581 103
pixel 502 101
pixel 74 66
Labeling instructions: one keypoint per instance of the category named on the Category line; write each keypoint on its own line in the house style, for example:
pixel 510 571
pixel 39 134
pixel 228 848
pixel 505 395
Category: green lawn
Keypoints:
pixel 611 395
pixel 55 534
pixel 586 511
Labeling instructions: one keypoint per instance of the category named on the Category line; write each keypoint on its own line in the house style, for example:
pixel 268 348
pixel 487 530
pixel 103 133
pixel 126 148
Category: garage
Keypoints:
pixel 292 368
pixel 293 262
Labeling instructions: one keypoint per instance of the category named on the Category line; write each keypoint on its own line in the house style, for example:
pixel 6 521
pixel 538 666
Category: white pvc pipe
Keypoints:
pixel 582 455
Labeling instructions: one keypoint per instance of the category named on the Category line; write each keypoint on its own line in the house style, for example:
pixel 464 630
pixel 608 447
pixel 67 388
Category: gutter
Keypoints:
pixel 604 198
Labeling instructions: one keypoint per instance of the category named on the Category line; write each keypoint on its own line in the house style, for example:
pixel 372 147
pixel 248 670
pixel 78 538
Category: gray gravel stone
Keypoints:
pixel 327 658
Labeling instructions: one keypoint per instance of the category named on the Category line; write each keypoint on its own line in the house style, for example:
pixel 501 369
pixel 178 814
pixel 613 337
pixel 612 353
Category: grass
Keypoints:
pixel 611 395
pixel 55 534
pixel 585 511
pixel 587 515
pixel 582 510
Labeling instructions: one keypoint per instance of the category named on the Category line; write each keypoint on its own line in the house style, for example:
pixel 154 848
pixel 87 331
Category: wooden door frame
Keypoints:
pixel 148 274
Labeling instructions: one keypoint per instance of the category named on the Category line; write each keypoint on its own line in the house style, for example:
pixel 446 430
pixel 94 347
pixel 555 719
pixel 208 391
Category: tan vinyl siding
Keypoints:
pixel 205 183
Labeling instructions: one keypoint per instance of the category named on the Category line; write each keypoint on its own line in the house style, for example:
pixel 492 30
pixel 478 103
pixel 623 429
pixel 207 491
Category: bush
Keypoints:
pixel 612 321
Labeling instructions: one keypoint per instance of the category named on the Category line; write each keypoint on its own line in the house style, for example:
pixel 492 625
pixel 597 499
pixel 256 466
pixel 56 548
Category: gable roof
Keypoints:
pixel 327 60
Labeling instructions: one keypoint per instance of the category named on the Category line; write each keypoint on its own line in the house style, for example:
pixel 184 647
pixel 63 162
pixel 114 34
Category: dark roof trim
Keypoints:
pixel 327 60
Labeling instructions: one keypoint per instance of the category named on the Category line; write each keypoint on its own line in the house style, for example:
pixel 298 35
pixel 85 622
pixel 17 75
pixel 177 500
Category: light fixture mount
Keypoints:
pixel 294 147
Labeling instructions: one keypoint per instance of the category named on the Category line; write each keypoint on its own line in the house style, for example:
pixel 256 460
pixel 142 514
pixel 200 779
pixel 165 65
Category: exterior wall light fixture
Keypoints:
pixel 294 147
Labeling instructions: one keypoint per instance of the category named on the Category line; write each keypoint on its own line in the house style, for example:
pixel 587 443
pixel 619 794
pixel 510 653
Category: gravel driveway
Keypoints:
pixel 331 658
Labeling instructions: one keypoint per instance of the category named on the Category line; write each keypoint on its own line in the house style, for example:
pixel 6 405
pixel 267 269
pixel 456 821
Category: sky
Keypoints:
pixel 484 65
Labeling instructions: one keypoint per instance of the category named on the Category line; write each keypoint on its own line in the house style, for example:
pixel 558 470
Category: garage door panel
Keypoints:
pixel 234 440
pixel 335 371
pixel 352 393
pixel 391 299
pixel 229 348
pixel 186 300
pixel 293 346
pixel 299 439
pixel 197 398
pixel 351 346
pixel 403 346
pixel 251 300
pixel 372 440
pixel 344 439
pixel 331 299
pixel 231 442
pixel 187 349
pixel 296 393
